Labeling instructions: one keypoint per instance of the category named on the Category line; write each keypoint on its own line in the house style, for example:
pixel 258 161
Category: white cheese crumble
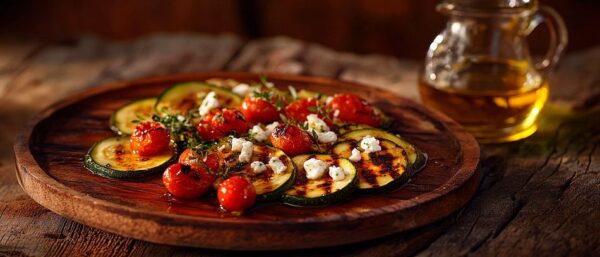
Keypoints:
pixel 293 92
pixel 315 123
pixel 277 165
pixel 314 168
pixel 269 128
pixel 245 147
pixel 246 153
pixel 241 89
pixel 258 167
pixel 210 101
pixel 236 144
pixel 355 156
pixel 269 84
pixel 337 173
pixel 327 137
pixel 320 128
pixel 370 144
pixel 258 133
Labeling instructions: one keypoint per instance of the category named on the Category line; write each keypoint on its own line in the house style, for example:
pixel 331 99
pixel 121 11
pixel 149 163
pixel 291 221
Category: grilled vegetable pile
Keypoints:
pixel 256 143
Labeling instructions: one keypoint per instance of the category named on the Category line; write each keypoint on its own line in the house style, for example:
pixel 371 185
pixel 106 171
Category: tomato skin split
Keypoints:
pixel 187 182
pixel 150 138
pixel 291 139
pixel 220 123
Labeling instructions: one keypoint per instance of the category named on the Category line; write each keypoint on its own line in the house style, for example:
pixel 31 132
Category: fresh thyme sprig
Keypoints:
pixel 182 128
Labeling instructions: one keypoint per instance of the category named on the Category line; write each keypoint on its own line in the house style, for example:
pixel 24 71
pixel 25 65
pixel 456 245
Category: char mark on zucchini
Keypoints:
pixel 324 190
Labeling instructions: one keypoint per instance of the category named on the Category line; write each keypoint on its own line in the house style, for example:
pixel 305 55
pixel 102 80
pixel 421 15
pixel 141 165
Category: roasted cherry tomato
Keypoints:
pixel 301 108
pixel 353 109
pixel 291 139
pixel 219 123
pixel 150 138
pixel 191 157
pixel 236 194
pixel 187 182
pixel 259 110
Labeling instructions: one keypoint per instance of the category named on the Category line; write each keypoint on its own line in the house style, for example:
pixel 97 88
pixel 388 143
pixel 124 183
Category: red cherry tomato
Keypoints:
pixel 291 139
pixel 353 109
pixel 259 110
pixel 187 182
pixel 301 108
pixel 150 138
pixel 191 158
pixel 236 194
pixel 219 123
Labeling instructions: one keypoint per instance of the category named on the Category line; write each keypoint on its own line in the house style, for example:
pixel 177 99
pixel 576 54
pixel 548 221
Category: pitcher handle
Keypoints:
pixel 558 36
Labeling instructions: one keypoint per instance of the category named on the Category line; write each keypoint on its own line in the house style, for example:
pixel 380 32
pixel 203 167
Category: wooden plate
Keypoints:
pixel 50 153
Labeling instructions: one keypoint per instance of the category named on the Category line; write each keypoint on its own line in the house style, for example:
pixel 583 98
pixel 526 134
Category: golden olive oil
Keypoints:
pixel 495 101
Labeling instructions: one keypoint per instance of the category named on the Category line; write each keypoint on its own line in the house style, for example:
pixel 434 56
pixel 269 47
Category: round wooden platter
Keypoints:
pixel 50 169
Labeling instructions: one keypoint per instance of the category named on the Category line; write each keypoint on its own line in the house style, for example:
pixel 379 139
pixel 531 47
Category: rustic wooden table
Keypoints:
pixel 538 197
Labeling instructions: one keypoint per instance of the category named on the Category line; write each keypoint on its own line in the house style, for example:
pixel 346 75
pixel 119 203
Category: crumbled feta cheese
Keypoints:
pixel 246 153
pixel 269 84
pixel 355 156
pixel 327 137
pixel 180 118
pixel 293 92
pixel 314 168
pixel 370 144
pixel 241 89
pixel 258 133
pixel 210 101
pixel 337 173
pixel 315 123
pixel 328 99
pixel 269 128
pixel 277 165
pixel 258 167
pixel 236 144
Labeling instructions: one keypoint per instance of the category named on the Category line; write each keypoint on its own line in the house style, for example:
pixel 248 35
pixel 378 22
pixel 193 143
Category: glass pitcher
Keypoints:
pixel 479 70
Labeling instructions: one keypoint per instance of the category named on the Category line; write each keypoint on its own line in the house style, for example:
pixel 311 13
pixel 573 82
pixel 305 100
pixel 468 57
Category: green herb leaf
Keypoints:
pixel 262 95
pixel 283 118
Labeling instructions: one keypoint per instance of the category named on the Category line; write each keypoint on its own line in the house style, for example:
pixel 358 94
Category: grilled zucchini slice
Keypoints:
pixel 381 170
pixel 416 159
pixel 303 93
pixel 351 127
pixel 323 191
pixel 121 121
pixel 113 158
pixel 184 97
pixel 268 185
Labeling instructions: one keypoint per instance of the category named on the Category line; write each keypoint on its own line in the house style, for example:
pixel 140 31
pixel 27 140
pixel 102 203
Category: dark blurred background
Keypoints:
pixel 403 28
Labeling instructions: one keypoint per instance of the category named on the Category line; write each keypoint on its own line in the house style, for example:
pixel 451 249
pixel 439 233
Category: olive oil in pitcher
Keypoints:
pixel 479 71
pixel 494 100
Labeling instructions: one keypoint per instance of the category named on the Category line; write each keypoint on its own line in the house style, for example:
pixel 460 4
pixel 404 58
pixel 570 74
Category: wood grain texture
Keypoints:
pixel 50 169
pixel 551 216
